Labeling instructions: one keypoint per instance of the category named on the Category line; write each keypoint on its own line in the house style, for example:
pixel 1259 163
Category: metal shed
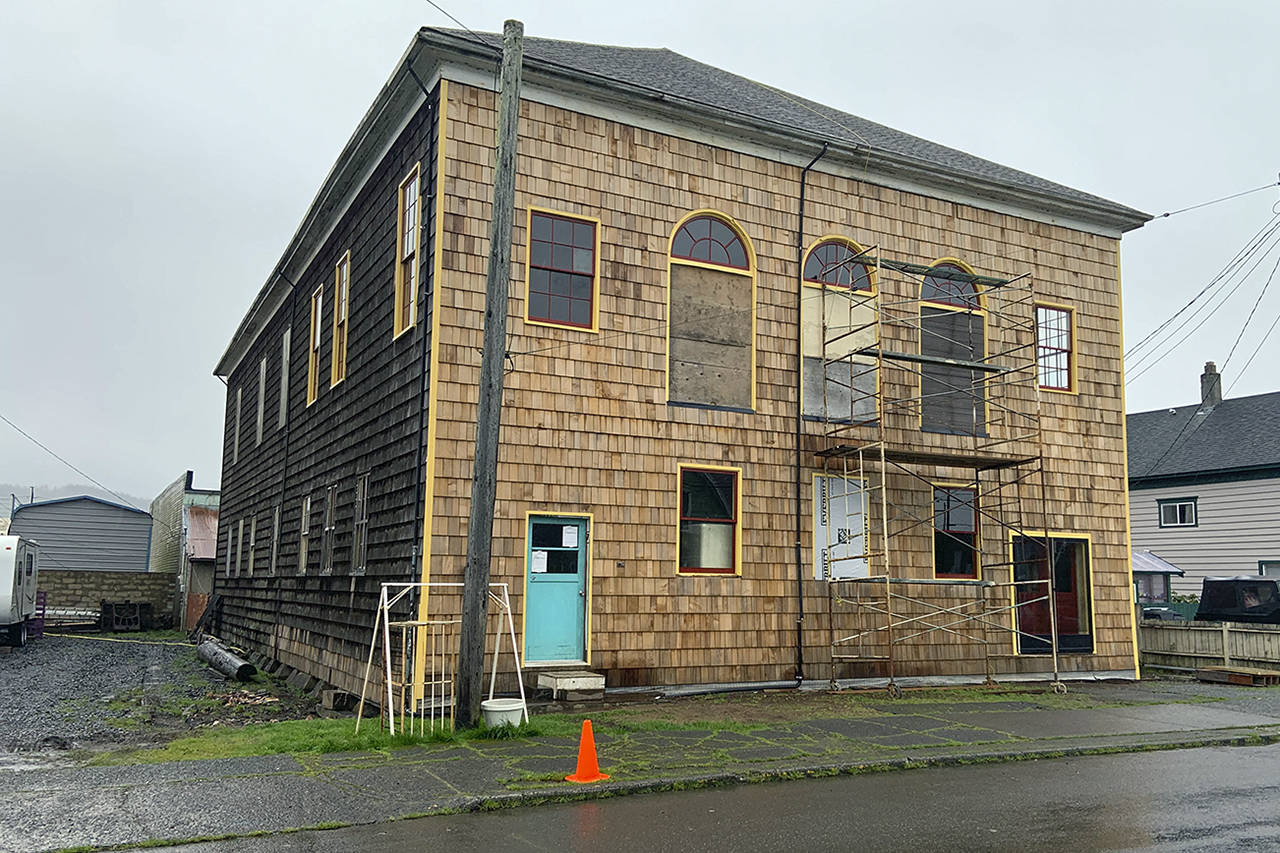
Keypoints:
pixel 86 534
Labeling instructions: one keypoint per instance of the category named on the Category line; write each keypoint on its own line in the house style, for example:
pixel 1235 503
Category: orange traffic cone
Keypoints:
pixel 588 769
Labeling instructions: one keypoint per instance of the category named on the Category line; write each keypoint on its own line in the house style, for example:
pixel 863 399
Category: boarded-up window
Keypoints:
pixel 839 528
pixel 330 526
pixel 235 429
pixel 275 539
pixel 262 397
pixel 253 542
pixel 953 395
pixel 837 328
pixel 360 528
pixel 282 413
pixel 712 353
pixel 304 535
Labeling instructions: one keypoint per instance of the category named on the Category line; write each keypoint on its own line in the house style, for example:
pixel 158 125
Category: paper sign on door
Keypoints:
pixel 539 563
pixel 570 539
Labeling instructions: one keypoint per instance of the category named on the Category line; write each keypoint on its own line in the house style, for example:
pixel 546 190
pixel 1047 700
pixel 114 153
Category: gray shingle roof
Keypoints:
pixel 1238 433
pixel 666 72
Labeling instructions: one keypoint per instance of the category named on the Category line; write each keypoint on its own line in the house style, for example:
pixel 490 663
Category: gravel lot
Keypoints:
pixel 66 693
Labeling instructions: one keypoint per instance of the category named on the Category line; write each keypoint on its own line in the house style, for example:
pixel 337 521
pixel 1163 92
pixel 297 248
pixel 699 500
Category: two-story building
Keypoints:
pixel 1204 484
pixel 685 463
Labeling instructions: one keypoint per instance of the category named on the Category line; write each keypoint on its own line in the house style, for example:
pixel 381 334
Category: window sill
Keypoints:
pixel 708 573
pixel 709 407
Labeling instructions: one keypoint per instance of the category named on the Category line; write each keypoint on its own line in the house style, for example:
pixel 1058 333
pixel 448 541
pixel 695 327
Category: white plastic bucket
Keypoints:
pixel 500 712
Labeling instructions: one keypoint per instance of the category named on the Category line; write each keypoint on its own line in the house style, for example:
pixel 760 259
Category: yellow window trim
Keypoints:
pixel 977 528
pixel 591 525
pixel 737 525
pixel 313 349
pixel 857 249
pixel 1074 390
pixel 595 273
pixel 396 329
pixel 1093 614
pixel 981 311
pixel 338 359
pixel 752 271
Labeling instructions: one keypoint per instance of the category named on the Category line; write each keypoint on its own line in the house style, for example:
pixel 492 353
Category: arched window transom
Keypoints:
pixel 948 284
pixel 711 241
pixel 832 263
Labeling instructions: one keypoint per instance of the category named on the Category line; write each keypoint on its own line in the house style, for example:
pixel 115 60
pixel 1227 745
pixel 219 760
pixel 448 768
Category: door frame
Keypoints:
pixel 1040 535
pixel 589 518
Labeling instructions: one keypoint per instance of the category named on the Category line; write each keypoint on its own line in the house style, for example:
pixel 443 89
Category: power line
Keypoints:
pixel 1207 203
pixel 37 443
pixel 1257 350
pixel 1252 311
pixel 479 39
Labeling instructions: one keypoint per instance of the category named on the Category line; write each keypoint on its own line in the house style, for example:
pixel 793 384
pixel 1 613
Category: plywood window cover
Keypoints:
pixel 408 239
pixel 553 265
pixel 734 521
pixel 1055 347
pixel 831 263
pixel 341 302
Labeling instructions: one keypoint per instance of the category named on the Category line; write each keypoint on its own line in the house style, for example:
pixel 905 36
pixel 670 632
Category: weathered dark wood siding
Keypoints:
pixel 374 421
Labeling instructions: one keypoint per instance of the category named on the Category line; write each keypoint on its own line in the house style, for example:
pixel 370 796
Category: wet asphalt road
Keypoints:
pixel 1222 798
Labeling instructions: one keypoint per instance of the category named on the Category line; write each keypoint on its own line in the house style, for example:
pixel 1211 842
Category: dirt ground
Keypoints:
pixel 98 690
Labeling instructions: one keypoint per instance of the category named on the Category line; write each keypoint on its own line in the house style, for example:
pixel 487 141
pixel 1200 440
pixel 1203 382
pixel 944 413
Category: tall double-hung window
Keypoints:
pixel 1054 350
pixel 952 337
pixel 313 346
pixel 341 298
pixel 408 219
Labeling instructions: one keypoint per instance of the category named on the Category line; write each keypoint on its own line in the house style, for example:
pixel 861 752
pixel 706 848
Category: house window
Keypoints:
pixel 313 347
pixel 834 263
pixel 341 294
pixel 262 398
pixel 955 532
pixel 1152 588
pixel 837 328
pixel 235 441
pixel 326 542
pixel 1053 347
pixel 711 356
pixel 275 539
pixel 1269 568
pixel 408 206
pixel 563 251
pixel 239 545
pixel 360 529
pixel 253 541
pixel 708 521
pixel 1178 512
pixel 304 534
pixel 952 332
pixel 839 528
pixel 283 413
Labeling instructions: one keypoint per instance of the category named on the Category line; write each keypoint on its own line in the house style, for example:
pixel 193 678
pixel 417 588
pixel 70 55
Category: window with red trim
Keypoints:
pixel 708 521
pixel 948 284
pixel 833 263
pixel 710 240
pixel 562 269
pixel 955 532
pixel 1053 347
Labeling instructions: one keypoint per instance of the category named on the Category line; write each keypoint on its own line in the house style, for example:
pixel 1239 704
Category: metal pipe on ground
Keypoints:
pixel 225 662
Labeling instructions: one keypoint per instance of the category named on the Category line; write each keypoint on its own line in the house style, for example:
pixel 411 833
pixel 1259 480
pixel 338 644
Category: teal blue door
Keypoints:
pixel 556 594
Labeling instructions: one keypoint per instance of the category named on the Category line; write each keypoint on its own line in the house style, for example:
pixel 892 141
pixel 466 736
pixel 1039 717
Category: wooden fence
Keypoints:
pixel 1189 645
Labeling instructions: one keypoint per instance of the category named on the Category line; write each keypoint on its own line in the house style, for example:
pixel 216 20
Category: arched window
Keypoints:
pixel 711 358
pixel 952 333
pixel 710 240
pixel 950 284
pixel 833 263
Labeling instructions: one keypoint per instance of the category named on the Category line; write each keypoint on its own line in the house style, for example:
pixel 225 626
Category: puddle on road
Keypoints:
pixel 32 761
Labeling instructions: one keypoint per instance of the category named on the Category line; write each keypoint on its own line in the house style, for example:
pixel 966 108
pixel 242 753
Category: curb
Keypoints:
pixel 540 796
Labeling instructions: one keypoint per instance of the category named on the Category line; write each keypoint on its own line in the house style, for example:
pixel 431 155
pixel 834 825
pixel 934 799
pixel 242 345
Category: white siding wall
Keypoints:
pixel 1239 524
pixel 86 535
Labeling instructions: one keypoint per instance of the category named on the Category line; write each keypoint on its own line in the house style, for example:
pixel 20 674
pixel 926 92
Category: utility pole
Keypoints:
pixel 475 592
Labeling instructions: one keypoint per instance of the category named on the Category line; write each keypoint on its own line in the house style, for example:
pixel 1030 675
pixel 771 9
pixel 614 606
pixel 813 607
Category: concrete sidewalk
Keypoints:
pixel 54 808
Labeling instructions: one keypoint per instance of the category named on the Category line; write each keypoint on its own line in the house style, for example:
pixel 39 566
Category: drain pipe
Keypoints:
pixel 804 174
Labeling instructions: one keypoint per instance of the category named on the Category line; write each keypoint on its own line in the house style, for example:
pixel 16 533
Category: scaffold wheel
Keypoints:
pixel 1059 688
pixel 895 692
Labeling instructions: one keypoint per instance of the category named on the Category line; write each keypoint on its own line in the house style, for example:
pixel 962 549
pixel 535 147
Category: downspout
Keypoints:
pixel 804 174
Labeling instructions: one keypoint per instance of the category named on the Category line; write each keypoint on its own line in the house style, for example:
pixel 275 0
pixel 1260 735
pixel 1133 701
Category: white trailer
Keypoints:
pixel 19 571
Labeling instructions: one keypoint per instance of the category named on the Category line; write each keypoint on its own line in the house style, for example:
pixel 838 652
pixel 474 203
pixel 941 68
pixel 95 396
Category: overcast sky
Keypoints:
pixel 156 157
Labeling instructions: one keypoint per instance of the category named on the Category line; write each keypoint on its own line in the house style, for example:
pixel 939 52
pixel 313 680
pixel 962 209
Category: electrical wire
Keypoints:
pixel 1207 203
pixel 1256 350
pixel 37 443
pixel 479 39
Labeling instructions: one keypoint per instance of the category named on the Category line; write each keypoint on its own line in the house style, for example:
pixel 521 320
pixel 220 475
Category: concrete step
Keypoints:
pixel 578 685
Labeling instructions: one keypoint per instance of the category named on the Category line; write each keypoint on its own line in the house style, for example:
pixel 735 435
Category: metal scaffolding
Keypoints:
pixel 873 361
